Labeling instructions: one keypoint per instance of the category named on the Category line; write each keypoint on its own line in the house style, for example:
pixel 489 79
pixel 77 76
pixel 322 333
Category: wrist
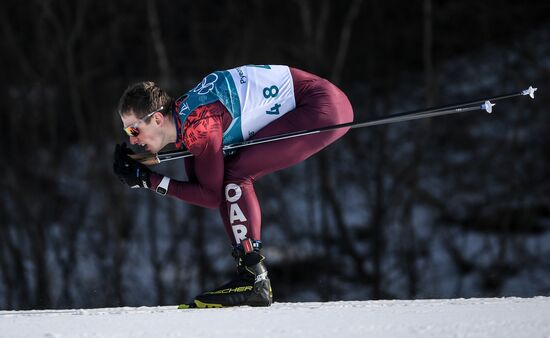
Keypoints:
pixel 162 188
pixel 159 183
pixel 155 180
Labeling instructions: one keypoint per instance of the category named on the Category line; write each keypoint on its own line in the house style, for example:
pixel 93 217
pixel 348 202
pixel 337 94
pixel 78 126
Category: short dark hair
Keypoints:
pixel 142 98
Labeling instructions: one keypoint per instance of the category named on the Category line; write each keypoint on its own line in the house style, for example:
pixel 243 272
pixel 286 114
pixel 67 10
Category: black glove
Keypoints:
pixel 128 170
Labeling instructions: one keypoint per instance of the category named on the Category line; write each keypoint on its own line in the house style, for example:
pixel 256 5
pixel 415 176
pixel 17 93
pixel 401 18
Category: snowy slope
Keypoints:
pixel 504 317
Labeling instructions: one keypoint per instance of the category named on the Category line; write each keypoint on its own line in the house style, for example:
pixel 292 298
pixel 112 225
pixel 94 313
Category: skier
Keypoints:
pixel 246 102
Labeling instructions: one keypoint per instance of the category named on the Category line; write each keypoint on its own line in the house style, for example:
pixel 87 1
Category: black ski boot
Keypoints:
pixel 250 286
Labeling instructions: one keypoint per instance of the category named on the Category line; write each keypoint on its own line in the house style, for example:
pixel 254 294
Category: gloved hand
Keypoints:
pixel 128 170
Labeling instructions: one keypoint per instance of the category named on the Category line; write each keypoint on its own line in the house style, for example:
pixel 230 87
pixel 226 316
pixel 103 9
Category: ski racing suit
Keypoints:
pixel 250 102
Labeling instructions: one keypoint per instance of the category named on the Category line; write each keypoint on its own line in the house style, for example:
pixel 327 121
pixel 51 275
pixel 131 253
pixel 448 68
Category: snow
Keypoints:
pixel 481 317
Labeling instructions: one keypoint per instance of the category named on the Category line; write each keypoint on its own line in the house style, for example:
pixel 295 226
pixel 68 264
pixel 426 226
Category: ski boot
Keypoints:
pixel 250 286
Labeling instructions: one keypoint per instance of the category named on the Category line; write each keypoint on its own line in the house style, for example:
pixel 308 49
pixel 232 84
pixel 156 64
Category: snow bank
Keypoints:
pixel 504 317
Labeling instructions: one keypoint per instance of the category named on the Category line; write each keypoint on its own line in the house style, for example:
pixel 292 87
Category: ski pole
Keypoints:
pixel 480 104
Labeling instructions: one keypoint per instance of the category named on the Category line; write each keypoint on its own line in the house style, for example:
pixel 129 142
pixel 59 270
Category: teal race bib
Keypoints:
pixel 254 96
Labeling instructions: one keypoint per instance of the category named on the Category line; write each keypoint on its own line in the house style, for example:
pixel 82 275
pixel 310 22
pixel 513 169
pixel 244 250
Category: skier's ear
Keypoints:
pixel 158 118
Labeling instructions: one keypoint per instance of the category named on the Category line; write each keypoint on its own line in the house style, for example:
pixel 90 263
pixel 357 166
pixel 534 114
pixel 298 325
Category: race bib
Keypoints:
pixel 254 96
pixel 265 92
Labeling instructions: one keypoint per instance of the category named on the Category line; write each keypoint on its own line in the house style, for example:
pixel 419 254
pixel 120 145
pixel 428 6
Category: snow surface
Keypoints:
pixel 483 317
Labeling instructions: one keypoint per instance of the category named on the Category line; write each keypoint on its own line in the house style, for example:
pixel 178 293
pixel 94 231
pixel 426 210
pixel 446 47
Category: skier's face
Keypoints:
pixel 145 132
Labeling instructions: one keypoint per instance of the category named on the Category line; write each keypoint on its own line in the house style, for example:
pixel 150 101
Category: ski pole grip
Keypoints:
pixel 145 158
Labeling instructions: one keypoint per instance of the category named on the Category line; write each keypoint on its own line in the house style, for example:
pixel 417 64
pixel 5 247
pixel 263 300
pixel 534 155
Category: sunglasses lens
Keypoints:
pixel 132 131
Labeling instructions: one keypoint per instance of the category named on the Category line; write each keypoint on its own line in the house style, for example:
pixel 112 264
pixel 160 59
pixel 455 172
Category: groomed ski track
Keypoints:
pixel 481 317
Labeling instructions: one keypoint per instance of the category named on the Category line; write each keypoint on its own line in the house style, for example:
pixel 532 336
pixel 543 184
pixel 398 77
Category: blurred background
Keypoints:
pixel 454 206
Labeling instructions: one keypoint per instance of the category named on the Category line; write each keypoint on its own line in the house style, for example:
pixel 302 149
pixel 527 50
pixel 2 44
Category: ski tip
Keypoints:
pixel 187 306
pixel 529 91
pixel 488 106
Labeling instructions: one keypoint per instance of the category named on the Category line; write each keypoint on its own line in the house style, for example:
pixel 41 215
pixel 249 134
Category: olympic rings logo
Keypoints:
pixel 206 85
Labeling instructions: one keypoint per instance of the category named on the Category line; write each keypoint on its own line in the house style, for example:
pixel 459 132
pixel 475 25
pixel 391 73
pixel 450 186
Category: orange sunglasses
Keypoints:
pixel 133 130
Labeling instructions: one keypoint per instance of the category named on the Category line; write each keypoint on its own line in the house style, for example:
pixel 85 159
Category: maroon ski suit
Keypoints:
pixel 227 183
